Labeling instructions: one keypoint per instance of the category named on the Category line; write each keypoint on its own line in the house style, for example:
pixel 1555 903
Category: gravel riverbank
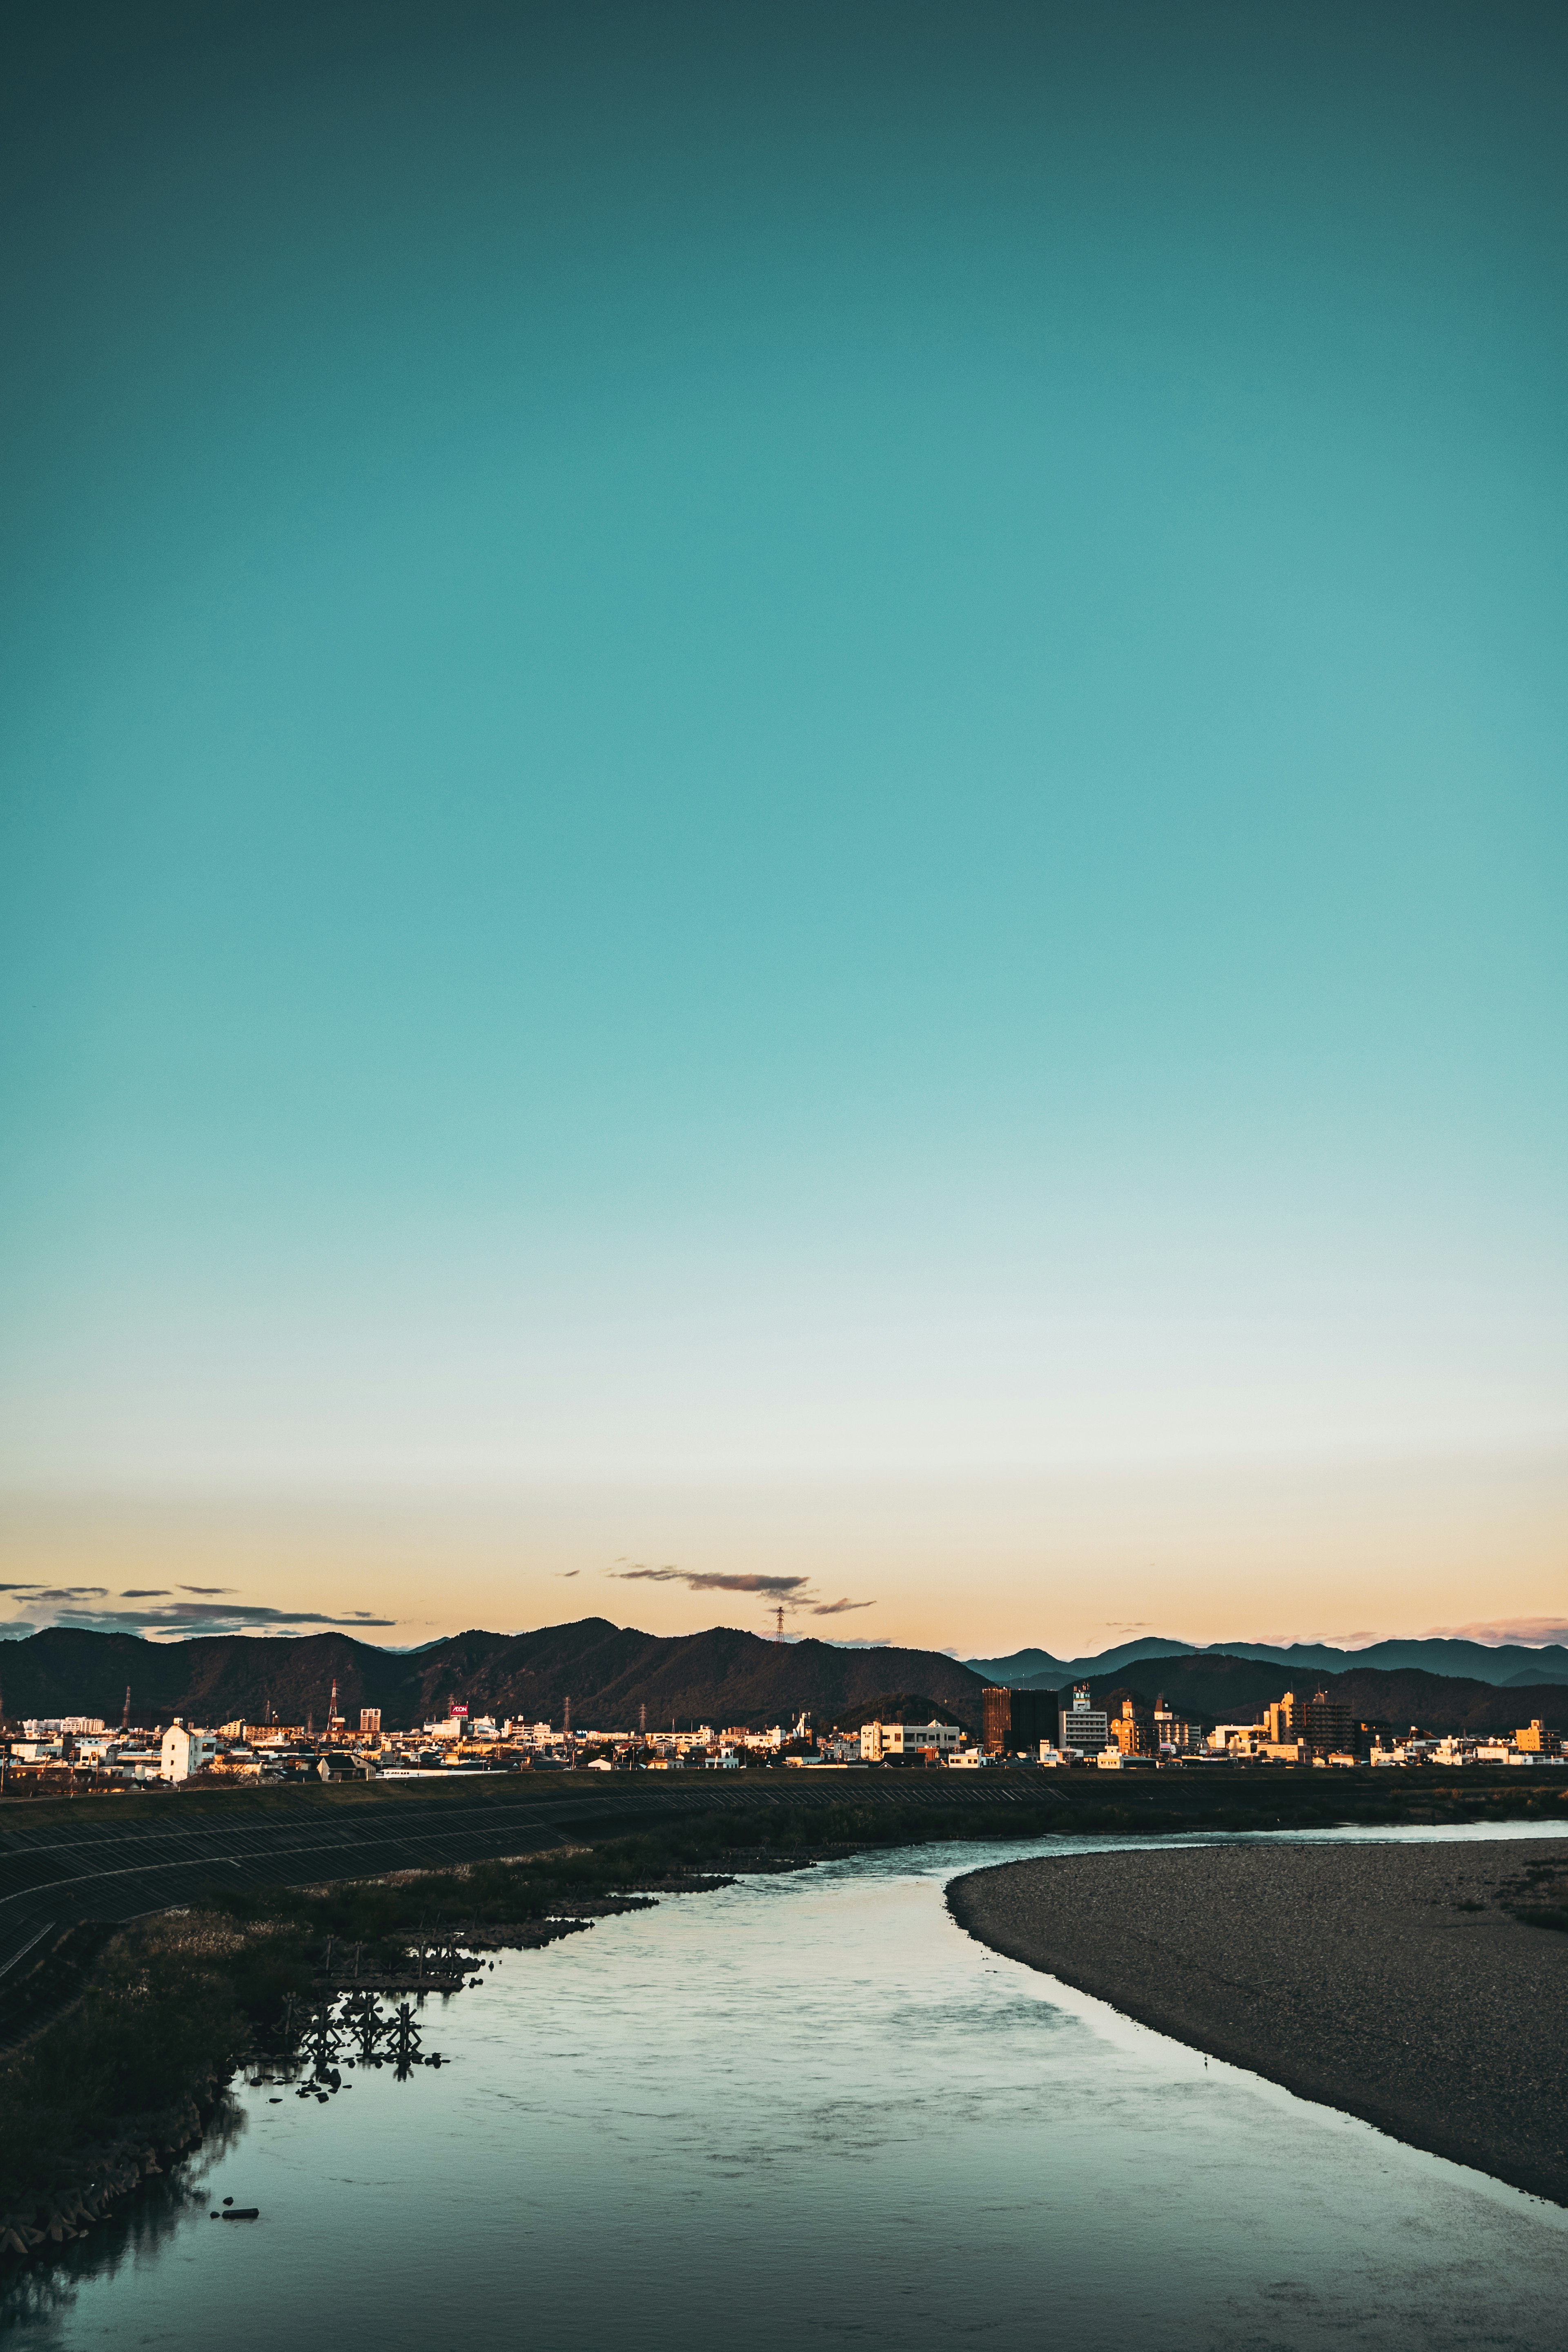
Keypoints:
pixel 1386 1980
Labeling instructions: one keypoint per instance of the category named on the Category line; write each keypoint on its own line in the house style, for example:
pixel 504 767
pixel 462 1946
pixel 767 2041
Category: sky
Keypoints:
pixel 783 818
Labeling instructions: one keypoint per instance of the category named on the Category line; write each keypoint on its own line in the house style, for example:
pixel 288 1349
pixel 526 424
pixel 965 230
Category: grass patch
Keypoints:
pixel 165 2013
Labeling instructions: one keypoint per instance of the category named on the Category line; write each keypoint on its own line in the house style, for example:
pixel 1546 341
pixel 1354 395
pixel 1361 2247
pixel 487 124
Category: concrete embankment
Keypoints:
pixel 1388 1980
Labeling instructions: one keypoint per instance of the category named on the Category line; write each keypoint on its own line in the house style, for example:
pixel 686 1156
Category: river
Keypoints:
pixel 804 2110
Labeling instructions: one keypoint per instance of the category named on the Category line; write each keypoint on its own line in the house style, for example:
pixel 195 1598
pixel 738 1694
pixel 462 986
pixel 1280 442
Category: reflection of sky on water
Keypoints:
pixel 809 2109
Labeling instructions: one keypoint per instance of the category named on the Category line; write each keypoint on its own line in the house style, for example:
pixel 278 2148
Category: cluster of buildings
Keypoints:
pixel 1534 1743
pixel 1053 1730
pixel 62 1751
pixel 1065 1728
pixel 1059 1729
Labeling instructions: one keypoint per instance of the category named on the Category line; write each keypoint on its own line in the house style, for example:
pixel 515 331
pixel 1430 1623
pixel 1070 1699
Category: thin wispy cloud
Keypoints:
pixel 837 1608
pixel 44 1593
pixel 1529 1633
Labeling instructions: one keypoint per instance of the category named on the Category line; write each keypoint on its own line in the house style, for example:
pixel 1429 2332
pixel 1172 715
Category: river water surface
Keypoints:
pixel 806 2110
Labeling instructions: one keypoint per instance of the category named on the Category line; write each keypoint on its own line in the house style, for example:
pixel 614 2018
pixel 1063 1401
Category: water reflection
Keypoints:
pixel 312 2036
pixel 800 2111
pixel 133 2231
pixel 38 2298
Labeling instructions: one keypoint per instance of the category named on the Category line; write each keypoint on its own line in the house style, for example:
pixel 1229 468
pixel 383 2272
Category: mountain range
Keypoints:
pixel 1505 1666
pixel 611 1673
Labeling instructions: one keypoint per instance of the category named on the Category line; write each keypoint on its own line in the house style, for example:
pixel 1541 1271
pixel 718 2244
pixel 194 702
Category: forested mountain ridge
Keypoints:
pixel 610 1673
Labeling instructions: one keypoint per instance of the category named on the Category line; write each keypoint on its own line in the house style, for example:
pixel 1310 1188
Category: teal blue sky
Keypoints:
pixel 785 743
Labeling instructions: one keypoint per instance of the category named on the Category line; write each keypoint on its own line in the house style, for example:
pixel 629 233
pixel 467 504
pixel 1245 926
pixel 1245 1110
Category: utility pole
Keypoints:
pixel 567 1730
pixel 125 1711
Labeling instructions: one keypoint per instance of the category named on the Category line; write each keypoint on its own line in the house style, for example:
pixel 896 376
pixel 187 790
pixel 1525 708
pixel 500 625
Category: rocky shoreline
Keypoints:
pixel 1403 1983
pixel 110 2172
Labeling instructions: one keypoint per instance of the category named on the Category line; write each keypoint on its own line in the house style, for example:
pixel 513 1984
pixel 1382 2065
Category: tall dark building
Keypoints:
pixel 1017 1719
pixel 1325 1726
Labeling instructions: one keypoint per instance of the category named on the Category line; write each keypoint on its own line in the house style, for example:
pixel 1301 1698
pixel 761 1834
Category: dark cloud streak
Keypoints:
pixel 790 1589
pixel 697 1581
pixel 205 1617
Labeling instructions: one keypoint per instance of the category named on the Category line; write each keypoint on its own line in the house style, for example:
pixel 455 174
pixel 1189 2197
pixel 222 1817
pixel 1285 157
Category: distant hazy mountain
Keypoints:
pixel 1508 1667
pixel 1038 1669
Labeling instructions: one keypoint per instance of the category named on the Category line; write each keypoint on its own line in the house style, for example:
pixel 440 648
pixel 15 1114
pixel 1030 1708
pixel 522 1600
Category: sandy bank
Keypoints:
pixel 1352 1974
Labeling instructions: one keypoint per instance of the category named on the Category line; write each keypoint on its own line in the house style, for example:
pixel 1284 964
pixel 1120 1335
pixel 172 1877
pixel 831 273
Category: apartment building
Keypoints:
pixel 1078 1723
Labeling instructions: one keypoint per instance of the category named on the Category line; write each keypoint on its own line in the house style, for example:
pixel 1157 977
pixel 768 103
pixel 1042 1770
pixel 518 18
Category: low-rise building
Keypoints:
pixel 184 1751
pixel 880 1740
pixel 97 1743
pixel 1238 1738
